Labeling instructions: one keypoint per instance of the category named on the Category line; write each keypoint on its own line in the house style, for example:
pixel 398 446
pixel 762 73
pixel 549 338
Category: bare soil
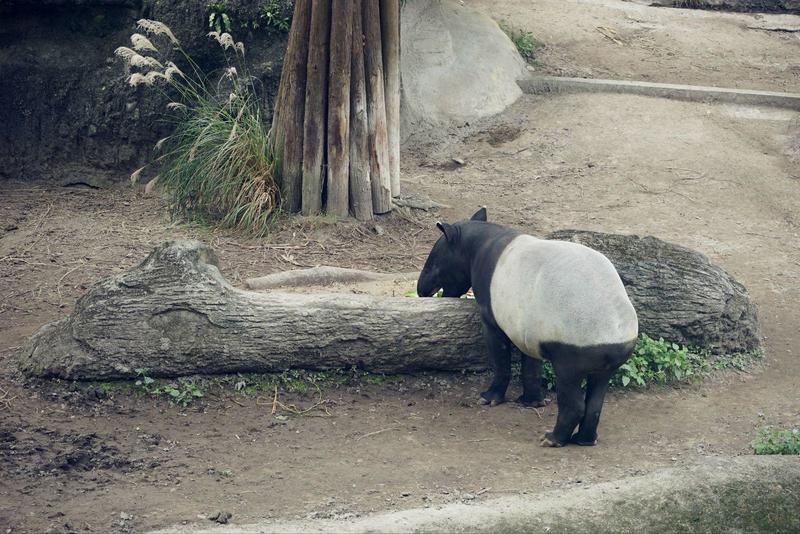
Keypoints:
pixel 717 178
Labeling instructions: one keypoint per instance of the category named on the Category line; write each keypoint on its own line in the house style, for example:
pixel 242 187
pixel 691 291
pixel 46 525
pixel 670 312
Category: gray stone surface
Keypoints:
pixel 743 494
pixel 690 93
pixel 457 65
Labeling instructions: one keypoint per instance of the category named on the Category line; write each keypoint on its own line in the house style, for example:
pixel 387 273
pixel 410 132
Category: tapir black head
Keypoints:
pixel 448 265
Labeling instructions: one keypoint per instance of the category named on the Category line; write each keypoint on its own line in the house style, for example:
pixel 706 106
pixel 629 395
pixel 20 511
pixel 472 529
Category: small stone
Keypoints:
pixel 379 229
pixel 459 161
pixel 125 517
pixel 405 494
pixel 220 517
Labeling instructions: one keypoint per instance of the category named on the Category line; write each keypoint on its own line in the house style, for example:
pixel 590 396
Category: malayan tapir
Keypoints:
pixel 553 300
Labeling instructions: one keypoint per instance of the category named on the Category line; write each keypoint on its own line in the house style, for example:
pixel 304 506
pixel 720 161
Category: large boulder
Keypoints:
pixel 457 65
pixel 677 292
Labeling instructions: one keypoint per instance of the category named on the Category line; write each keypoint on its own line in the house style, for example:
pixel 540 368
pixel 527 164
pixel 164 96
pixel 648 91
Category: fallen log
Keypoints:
pixel 175 314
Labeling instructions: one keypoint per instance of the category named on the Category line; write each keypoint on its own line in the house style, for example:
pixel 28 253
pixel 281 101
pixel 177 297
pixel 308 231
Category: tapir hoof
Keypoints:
pixel 532 403
pixel 550 441
pixel 491 398
pixel 583 442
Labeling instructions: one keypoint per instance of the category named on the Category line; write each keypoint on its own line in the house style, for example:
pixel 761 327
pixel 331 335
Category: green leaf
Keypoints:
pixel 626 380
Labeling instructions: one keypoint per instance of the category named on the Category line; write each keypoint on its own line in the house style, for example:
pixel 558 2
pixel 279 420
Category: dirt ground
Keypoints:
pixel 717 178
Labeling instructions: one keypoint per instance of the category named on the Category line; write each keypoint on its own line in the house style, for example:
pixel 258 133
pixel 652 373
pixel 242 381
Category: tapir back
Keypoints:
pixel 557 291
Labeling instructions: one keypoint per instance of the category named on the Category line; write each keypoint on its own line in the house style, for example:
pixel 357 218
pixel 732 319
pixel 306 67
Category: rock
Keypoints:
pixel 457 65
pixel 677 292
pixel 220 517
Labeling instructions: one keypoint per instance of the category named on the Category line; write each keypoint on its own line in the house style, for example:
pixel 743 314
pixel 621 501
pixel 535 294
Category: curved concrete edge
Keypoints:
pixel 694 93
pixel 742 494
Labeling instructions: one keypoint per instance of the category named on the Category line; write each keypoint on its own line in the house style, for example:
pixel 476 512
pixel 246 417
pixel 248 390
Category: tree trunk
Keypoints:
pixel 315 107
pixel 336 129
pixel 287 117
pixel 390 35
pixel 339 109
pixel 376 110
pixel 360 187
pixel 176 315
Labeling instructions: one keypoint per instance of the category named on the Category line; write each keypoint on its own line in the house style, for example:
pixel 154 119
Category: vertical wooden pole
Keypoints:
pixel 390 35
pixel 376 110
pixel 287 117
pixel 339 108
pixel 315 107
pixel 360 188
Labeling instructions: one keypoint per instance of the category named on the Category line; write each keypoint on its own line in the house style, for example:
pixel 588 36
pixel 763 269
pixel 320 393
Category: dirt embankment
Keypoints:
pixel 66 110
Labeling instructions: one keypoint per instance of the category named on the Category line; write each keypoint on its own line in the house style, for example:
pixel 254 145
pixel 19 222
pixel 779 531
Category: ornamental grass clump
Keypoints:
pixel 216 166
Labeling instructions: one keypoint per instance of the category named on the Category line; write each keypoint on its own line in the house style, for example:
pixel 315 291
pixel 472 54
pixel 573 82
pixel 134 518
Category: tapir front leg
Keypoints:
pixel 531 382
pixel 500 361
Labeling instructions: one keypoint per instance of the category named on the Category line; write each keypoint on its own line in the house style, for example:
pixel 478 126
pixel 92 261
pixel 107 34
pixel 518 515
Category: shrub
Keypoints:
pixel 216 166
pixel 526 43
pixel 777 441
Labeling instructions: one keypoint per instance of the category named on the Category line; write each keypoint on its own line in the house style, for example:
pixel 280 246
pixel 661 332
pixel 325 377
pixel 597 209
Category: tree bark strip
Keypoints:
pixel 380 177
pixel 390 35
pixel 339 108
pixel 360 187
pixel 287 118
pixel 315 107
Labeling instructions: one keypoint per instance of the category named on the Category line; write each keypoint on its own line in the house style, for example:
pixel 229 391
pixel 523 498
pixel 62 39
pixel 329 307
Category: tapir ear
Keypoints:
pixel 448 230
pixel 479 215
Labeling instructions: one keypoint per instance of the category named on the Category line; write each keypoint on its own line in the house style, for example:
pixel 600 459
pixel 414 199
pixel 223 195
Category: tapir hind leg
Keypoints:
pixel 531 382
pixel 570 408
pixel 500 360
pixel 596 387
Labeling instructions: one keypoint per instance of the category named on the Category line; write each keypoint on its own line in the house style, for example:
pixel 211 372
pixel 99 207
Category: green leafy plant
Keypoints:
pixel 526 43
pixel 216 166
pixel 275 14
pixel 655 361
pixel 770 441
pixel 218 18
pixel 182 392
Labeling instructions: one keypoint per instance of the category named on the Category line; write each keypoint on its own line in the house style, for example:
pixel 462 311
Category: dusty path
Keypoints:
pixel 720 179
pixel 629 40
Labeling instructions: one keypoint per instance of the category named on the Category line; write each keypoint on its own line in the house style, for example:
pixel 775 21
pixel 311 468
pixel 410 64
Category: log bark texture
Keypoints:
pixel 176 315
pixel 677 292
